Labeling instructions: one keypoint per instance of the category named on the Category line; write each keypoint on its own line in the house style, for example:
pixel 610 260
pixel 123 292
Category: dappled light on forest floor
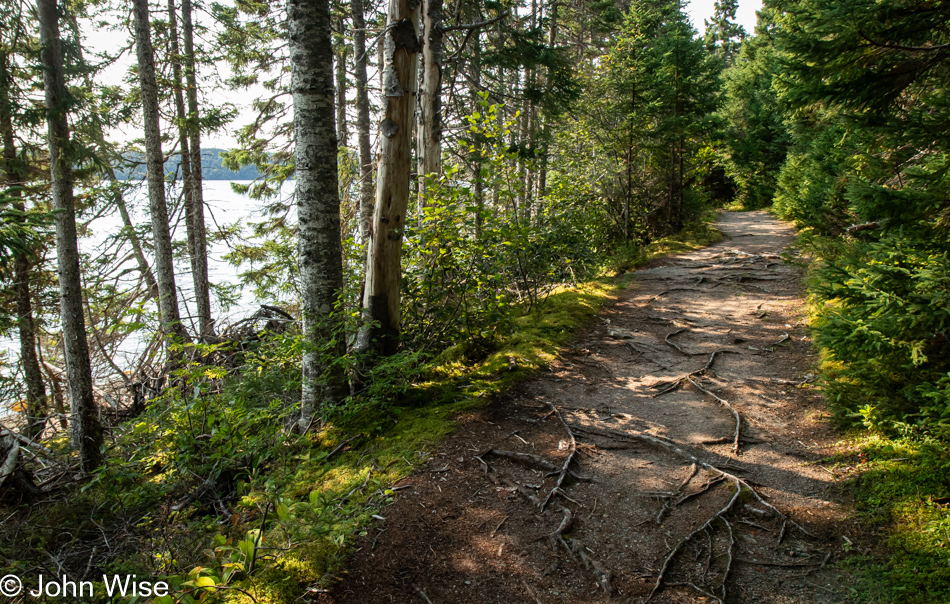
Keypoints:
pixel 646 402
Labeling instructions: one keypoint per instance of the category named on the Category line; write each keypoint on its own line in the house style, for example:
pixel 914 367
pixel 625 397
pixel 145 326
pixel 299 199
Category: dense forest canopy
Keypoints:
pixel 426 175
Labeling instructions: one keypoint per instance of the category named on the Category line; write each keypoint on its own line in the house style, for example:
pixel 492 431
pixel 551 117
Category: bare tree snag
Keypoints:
pixel 430 92
pixel 381 311
pixel 86 429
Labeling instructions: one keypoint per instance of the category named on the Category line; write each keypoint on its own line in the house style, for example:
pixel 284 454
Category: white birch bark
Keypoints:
pixel 320 255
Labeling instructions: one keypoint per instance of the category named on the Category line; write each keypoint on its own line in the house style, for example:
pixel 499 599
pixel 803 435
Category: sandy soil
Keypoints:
pixel 467 528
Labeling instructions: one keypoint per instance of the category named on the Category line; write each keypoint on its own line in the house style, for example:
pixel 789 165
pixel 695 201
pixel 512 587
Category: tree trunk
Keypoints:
pixel 430 93
pixel 320 252
pixel 98 137
pixel 362 120
pixel 199 258
pixel 16 483
pixel 199 269
pixel 36 402
pixel 475 67
pixel 342 127
pixel 86 429
pixel 383 271
pixel 164 266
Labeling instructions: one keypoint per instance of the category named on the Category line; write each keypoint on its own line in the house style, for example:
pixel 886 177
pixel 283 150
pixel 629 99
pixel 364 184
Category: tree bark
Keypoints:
pixel 193 199
pixel 475 66
pixel 198 241
pixel 86 430
pixel 429 145
pixel 36 401
pixel 342 127
pixel 320 253
pixel 362 120
pixel 383 271
pixel 164 266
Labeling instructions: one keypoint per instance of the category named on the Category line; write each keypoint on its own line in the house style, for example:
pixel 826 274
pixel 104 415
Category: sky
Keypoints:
pixel 700 10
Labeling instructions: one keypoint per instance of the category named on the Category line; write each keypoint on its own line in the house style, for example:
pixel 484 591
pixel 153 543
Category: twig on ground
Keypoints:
pixel 422 594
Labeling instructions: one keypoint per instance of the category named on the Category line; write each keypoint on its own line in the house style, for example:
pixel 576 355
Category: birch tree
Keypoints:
pixel 320 253
pixel 430 92
pixel 86 430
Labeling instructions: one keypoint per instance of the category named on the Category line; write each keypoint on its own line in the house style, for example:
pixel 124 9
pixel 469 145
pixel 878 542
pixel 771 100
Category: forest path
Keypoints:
pixel 464 528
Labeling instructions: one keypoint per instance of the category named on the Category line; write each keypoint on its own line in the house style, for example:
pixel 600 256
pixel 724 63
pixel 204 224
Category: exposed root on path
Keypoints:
pixel 671 385
pixel 717 591
pixel 724 403
pixel 567 461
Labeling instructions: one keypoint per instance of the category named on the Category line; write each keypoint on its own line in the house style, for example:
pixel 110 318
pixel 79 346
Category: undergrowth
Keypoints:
pixel 208 490
pixel 902 489
pixel 877 322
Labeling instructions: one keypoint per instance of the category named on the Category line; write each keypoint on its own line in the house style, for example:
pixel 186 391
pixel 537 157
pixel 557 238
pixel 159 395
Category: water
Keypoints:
pixel 224 208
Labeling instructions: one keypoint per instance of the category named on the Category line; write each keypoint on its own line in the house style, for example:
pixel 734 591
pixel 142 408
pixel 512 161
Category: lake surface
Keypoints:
pixel 224 208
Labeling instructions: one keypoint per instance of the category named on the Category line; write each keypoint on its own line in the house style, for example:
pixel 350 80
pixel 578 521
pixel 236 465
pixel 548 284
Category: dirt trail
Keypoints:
pixel 466 528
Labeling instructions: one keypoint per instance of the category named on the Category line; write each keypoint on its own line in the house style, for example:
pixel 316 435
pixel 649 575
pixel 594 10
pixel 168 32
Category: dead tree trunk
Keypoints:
pixel 383 272
pixel 199 242
pixel 164 266
pixel 429 145
pixel 320 253
pixel 86 429
pixel 362 120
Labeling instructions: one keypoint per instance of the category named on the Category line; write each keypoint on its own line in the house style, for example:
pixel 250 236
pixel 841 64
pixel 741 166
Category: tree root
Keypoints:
pixel 497 477
pixel 671 385
pixel 724 403
pixel 603 575
pixel 567 461
pixel 533 461
pixel 720 475
pixel 667 340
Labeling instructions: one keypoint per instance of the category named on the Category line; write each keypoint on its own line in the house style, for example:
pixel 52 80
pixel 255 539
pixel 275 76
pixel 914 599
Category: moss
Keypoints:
pixel 898 488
